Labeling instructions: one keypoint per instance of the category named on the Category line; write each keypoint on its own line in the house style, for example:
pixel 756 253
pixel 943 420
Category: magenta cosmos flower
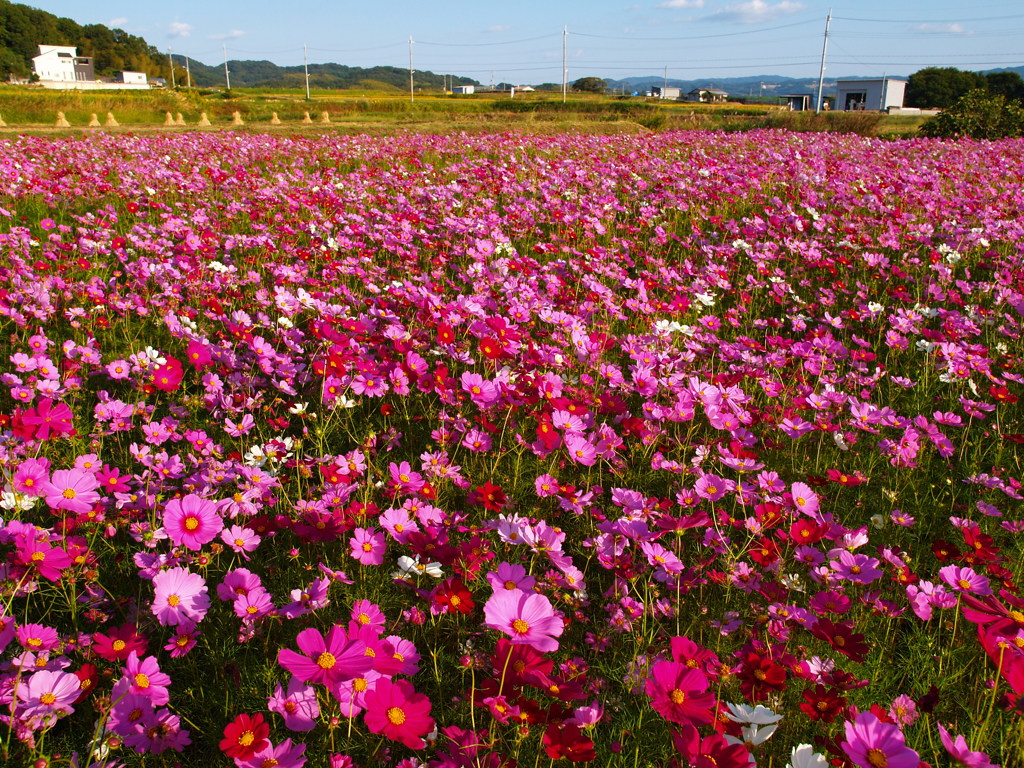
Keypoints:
pixel 528 619
pixel 679 693
pixel 395 710
pixel 329 660
pixel 870 743
pixel 963 754
pixel 192 521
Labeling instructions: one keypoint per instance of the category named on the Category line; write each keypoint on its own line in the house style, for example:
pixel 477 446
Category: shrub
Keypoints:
pixel 978 115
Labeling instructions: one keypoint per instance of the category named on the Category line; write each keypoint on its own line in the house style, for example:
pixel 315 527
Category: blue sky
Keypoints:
pixel 521 42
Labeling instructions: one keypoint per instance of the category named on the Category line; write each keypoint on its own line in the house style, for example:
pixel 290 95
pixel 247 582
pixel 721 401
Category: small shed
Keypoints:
pixel 872 95
pixel 797 102
pixel 131 78
pixel 463 90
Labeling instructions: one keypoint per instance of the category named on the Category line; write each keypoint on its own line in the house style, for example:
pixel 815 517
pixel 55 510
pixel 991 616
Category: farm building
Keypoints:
pixel 62 64
pixel 463 90
pixel 874 95
pixel 797 102
pixel 659 92
pixel 707 95
pixel 132 78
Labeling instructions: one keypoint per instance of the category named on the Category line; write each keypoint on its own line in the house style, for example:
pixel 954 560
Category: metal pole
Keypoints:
pixel 305 68
pixel 565 69
pixel 227 74
pixel 824 50
pixel 170 60
pixel 412 87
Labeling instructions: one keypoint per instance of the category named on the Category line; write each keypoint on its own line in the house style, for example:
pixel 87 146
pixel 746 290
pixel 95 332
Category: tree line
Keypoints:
pixel 942 87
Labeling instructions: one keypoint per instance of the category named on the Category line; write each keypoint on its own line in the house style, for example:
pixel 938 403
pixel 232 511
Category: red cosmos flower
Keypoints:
pixel 765 553
pixel 822 704
pixel 453 595
pixel 491 349
pixel 395 710
pixel 445 334
pixel 1002 394
pixel 759 676
pixel 567 742
pixel 118 643
pixel 245 736
pixel 491 496
pixel 710 752
pixel 842 638
pixel 842 478
pixel 513 663
pixel 88 676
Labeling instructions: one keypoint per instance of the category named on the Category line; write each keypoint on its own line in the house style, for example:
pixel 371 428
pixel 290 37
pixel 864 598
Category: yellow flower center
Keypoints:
pixel 69 493
pixel 360 684
pixel 247 738
pixel 38 557
pixel 141 681
pixel 118 645
pixel 677 696
pixel 877 758
pixel 47 698
pixel 520 627
pixel 173 600
pixel 363 618
pixel 326 660
pixel 396 715
pixel 191 523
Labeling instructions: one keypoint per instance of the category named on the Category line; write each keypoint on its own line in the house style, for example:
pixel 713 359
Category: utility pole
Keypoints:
pixel 824 50
pixel 412 87
pixel 188 73
pixel 170 60
pixel 664 84
pixel 565 68
pixel 227 74
pixel 305 68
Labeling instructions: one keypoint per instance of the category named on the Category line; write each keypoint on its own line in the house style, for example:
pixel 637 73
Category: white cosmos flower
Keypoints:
pixel 804 756
pixel 741 713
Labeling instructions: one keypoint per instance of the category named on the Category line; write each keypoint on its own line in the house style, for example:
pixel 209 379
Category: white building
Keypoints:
pixel 132 78
pixel 875 95
pixel 62 64
pixel 669 92
pixel 463 90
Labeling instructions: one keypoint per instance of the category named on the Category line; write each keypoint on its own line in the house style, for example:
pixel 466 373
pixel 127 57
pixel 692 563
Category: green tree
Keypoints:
pixel 1008 84
pixel 941 87
pixel 590 85
pixel 977 115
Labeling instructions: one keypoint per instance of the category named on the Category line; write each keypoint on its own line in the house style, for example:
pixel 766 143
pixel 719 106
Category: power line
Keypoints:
pixel 481 45
pixel 699 37
pixel 930 21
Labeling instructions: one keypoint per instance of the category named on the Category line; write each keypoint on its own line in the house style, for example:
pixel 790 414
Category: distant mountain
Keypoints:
pixel 266 74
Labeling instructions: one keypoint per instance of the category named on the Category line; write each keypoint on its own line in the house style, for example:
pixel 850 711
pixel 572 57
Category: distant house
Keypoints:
pixel 132 78
pixel 873 95
pixel 463 90
pixel 665 93
pixel 707 95
pixel 62 64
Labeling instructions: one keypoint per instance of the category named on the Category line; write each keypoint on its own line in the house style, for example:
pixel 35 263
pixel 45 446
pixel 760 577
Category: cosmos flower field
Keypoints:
pixel 684 449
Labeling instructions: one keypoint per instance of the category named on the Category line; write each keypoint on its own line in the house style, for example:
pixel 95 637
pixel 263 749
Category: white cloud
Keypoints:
pixel 755 11
pixel 498 28
pixel 234 33
pixel 681 4
pixel 120 21
pixel 179 29
pixel 943 29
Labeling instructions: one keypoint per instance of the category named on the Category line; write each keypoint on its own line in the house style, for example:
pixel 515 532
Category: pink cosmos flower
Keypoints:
pixel 37 637
pixel 871 743
pixel 712 487
pixel 298 706
pixel 804 498
pixel 529 619
pixel 48 561
pixel 327 660
pixel 49 418
pixel 192 521
pixel 396 711
pixel 72 490
pixel 510 576
pixel 242 540
pixel 180 596
pixel 144 678
pixel 581 450
pixel 404 478
pixel 48 693
pixel 30 477
pixel 964 579
pixel 962 753
pixel 368 546
pixel 283 755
